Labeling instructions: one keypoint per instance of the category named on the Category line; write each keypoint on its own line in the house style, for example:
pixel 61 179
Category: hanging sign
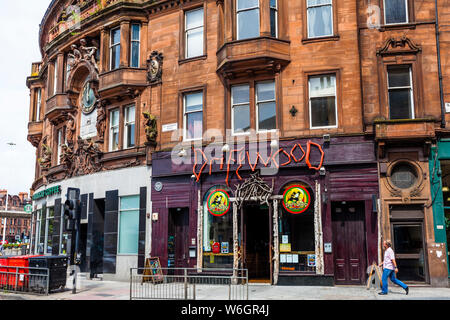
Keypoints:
pixel 218 203
pixel 296 199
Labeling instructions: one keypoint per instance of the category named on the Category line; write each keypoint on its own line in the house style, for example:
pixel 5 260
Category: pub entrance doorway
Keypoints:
pixel 257 239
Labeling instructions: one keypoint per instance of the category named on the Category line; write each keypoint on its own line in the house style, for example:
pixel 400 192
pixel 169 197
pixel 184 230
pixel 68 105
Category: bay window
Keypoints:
pixel 322 101
pixel 193 115
pixel 135 45
pixel 61 142
pixel 194 30
pixel 114 49
pixel 320 18
pixel 38 104
pixel 247 17
pixel 400 92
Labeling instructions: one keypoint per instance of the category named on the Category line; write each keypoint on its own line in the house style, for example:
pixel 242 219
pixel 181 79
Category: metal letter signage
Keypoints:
pixel 218 203
pixel 296 199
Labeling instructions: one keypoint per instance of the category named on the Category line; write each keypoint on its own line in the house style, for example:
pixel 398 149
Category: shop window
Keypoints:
pixel 194 29
pixel 114 49
pixel 114 130
pixel 49 230
pixel 296 230
pixel 320 18
pixel 247 17
pixel 129 127
pixel 129 225
pixel 322 101
pixel 401 102
pixel 395 11
pixel 274 18
pixel 40 236
pixel 135 45
pixel 193 116
pixel 217 231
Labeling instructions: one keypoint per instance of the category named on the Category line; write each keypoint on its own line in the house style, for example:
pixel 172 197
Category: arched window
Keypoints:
pixel 217 229
pixel 296 228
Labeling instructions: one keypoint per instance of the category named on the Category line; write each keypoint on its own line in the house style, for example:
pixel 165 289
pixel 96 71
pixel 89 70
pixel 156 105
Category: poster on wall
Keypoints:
pixel 296 199
pixel 225 247
pixel 218 203
pixel 311 258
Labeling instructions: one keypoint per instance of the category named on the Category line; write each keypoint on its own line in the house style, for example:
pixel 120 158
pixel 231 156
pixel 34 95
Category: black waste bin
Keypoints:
pixel 57 268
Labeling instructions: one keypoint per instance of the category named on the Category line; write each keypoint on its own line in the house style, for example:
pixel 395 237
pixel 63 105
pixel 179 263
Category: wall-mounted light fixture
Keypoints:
pixel 293 111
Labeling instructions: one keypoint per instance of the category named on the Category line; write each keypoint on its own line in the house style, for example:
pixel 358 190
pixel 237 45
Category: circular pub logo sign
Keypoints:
pixel 296 199
pixel 218 203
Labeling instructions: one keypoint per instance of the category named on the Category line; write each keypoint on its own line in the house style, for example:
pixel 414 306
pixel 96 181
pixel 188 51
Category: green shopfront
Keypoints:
pixel 439 164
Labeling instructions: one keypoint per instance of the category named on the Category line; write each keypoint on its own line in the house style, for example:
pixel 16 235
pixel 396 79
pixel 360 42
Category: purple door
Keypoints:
pixel 349 244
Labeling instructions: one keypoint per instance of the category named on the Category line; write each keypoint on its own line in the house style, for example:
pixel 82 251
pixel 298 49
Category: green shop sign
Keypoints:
pixel 47 192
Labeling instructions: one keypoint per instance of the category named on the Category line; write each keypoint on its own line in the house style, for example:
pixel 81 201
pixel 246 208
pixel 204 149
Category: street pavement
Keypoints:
pixel 116 290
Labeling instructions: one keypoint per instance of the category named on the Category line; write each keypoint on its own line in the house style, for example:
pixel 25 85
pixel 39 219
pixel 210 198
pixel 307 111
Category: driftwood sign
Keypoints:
pixel 374 274
pixel 153 271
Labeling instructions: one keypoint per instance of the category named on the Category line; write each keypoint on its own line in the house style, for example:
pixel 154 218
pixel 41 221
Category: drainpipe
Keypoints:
pixel 438 48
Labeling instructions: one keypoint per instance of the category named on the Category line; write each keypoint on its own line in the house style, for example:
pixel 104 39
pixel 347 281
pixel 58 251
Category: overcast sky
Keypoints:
pixel 19 28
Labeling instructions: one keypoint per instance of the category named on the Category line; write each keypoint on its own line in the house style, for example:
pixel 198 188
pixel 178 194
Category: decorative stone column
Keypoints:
pixel 276 244
pixel 318 231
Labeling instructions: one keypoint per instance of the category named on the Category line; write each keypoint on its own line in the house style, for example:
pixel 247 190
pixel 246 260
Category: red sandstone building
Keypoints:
pixel 13 219
pixel 154 108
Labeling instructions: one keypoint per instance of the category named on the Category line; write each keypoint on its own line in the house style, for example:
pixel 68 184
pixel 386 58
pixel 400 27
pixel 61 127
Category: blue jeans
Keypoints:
pixel 387 273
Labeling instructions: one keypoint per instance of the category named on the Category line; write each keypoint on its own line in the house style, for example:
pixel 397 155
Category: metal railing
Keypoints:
pixel 24 280
pixel 189 284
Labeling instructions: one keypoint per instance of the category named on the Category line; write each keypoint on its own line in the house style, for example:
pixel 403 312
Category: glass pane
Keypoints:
pixel 267 116
pixel 248 24
pixel 322 86
pixel 320 21
pixel 130 136
pixel 241 118
pixel 399 76
pixel 194 43
pixel 135 32
pixel 50 236
pixel 130 114
pixel 194 123
pixel 403 176
pixel 323 112
pixel 395 11
pixel 194 19
pixel 115 57
pixel 318 2
pixel 194 102
pixel 114 118
pixel 244 4
pixel 240 94
pixel 115 139
pixel 273 22
pixel 129 232
pixel 273 3
pixel 135 54
pixel 400 104
pixel 115 36
pixel 131 202
pixel 265 91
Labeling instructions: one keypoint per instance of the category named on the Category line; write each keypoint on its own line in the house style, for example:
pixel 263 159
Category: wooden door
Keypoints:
pixel 349 243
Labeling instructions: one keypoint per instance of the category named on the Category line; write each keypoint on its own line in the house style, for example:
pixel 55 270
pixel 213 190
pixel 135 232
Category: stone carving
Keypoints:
pixel 253 189
pixel 82 159
pixel 101 121
pixel 82 53
pixel 154 67
pixel 46 160
pixel 150 125
pixel 70 129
